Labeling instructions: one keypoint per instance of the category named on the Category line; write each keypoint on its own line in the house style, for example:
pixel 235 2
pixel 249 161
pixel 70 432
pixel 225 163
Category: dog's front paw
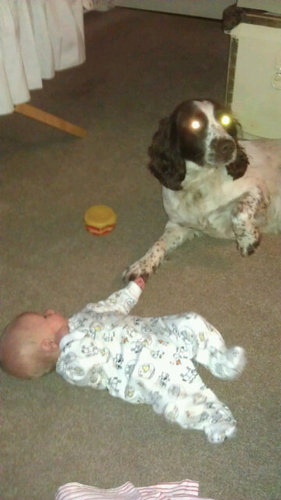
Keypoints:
pixel 248 243
pixel 139 268
pixel 147 265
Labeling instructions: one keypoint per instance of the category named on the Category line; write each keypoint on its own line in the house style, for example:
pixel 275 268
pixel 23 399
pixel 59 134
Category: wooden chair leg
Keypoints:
pixel 49 119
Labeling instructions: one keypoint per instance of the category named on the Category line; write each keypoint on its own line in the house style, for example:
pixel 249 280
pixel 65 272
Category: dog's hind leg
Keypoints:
pixel 173 236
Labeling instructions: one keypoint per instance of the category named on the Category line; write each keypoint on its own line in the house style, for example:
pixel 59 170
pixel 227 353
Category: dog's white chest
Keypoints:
pixel 204 203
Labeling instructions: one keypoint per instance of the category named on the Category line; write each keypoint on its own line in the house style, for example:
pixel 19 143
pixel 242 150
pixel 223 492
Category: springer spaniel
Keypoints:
pixel 212 182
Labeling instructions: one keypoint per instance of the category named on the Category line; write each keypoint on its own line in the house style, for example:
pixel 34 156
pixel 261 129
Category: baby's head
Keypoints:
pixel 29 346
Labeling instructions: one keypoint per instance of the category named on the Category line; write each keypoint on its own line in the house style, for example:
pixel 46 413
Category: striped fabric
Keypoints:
pixel 182 490
pixel 77 491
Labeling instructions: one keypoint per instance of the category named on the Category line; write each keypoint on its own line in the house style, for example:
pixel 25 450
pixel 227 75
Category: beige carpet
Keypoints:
pixel 139 66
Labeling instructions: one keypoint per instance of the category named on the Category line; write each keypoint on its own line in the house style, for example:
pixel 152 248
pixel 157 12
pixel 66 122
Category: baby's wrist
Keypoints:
pixel 140 282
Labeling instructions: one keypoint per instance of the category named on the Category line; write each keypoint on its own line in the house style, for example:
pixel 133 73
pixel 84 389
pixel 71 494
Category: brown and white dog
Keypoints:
pixel 212 182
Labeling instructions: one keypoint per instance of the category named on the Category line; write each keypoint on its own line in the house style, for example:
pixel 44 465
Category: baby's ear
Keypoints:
pixel 49 345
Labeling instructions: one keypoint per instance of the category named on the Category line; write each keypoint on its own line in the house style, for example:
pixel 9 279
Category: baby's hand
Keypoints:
pixel 140 282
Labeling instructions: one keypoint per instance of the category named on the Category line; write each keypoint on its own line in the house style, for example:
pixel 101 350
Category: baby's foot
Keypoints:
pixel 230 364
pixel 219 431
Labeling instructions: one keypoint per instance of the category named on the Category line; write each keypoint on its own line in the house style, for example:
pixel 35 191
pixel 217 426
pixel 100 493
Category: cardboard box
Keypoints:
pixel 254 75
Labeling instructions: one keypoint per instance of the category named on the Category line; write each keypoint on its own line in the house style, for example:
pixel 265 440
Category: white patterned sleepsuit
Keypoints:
pixel 149 360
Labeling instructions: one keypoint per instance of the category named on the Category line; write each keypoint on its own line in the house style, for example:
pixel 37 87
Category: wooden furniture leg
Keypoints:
pixel 48 119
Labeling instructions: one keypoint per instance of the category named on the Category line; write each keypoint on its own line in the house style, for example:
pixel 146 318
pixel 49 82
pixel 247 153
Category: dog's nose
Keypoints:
pixel 225 147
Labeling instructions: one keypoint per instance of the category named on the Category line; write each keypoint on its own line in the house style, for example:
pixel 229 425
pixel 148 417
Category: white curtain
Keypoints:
pixel 37 38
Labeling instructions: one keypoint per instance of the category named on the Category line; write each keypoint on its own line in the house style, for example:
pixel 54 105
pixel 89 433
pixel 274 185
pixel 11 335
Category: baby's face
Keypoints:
pixel 45 325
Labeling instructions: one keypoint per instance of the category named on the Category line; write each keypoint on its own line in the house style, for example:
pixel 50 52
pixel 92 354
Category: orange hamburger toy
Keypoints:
pixel 99 220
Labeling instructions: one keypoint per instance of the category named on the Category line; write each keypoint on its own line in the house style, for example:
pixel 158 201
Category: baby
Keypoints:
pixel 140 360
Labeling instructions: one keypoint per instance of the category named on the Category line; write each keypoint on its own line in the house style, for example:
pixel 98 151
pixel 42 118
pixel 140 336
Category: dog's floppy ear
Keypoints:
pixel 166 162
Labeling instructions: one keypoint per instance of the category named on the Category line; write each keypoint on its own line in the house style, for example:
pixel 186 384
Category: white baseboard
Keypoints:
pixel 212 9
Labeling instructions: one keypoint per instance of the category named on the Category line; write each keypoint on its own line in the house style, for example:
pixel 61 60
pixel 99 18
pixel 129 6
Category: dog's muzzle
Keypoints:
pixel 222 150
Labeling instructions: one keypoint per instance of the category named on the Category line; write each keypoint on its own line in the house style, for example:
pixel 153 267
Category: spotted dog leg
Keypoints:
pixel 173 236
pixel 244 220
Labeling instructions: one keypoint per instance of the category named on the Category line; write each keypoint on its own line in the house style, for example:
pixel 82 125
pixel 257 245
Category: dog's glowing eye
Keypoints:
pixel 225 120
pixel 196 124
